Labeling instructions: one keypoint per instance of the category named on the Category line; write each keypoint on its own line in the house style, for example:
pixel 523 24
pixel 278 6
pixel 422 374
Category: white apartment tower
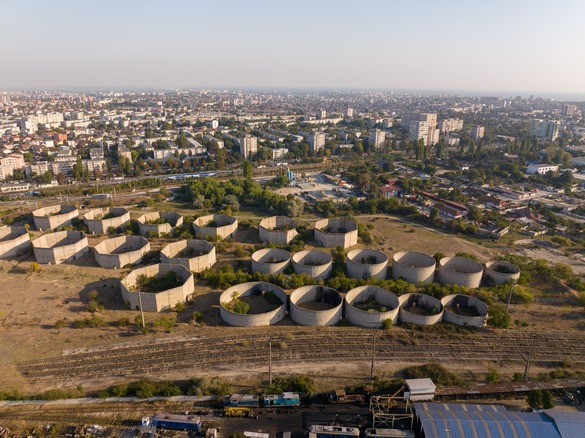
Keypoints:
pixel 248 146
pixel 316 140
pixel 418 129
pixel 477 132
pixel 377 137
pixel 545 129
pixel 450 125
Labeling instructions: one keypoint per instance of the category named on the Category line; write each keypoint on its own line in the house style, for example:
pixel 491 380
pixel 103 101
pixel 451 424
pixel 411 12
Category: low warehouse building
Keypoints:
pixel 331 233
pixel 316 305
pixel 100 220
pixel 414 267
pixel 13 241
pixel 120 251
pixel 195 255
pixel 266 301
pixel 499 272
pixel 461 271
pixel 159 222
pixel 279 230
pixel 420 309
pixel 366 263
pixel 166 286
pixel 464 310
pixel 270 260
pixel 221 226
pixel 317 264
pixel 370 306
pixel 54 216
pixel 59 247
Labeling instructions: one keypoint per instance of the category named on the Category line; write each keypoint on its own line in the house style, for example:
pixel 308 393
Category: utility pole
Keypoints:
pixel 529 358
pixel 141 311
pixel 373 357
pixel 270 361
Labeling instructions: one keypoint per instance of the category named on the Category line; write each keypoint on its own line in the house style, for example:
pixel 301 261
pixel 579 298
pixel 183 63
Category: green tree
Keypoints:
pixel 247 169
pixel 534 398
pixel 548 400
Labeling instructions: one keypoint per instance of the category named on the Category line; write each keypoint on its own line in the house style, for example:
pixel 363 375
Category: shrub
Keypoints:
pixel 387 324
pixel 299 383
pixel 35 267
pixel 499 316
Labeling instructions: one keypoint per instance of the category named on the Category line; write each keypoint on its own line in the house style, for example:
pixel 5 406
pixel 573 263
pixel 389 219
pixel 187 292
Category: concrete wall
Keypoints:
pixel 196 263
pixel 121 251
pixel 359 266
pixel 270 260
pixel 371 319
pixel 414 267
pixel 172 219
pixel 59 247
pixel 343 232
pixel 279 237
pixel 252 319
pixel 164 300
pixel 420 300
pixel 100 226
pixel 54 216
pixel 461 271
pixel 307 294
pixel 493 277
pixel 227 226
pixel 13 241
pixel 462 301
pixel 317 264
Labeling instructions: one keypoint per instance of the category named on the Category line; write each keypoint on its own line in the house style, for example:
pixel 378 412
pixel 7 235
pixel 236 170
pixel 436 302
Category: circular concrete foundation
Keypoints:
pixel 464 310
pixel 317 264
pixel 461 271
pixel 366 263
pixel 420 309
pixel 265 294
pixel 316 305
pixel 331 233
pixel 195 255
pixel 270 260
pixel 370 306
pixel 499 272
pixel 414 267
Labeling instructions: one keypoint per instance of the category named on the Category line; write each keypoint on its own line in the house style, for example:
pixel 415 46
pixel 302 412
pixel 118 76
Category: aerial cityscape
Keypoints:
pixel 319 220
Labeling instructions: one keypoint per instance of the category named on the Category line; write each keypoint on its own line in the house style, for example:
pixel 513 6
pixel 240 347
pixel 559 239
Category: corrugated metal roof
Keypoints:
pixel 418 386
pixel 459 407
pixel 569 424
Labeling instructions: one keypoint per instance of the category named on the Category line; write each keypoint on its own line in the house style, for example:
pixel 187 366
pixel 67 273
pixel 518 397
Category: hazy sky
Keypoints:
pixel 530 46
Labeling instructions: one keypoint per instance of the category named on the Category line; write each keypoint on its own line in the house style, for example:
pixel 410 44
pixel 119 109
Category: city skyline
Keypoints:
pixel 501 48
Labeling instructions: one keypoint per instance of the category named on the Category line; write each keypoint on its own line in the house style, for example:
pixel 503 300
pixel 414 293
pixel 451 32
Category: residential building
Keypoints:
pixel 545 129
pixel 316 140
pixel 377 137
pixel 432 136
pixel 349 113
pixel 248 146
pixel 477 132
pixel 569 110
pixel 322 114
pixel 418 129
pixel 450 125
pixel 541 169
pixel 279 153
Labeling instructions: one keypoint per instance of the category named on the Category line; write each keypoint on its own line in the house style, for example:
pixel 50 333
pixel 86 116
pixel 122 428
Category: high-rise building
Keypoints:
pixel 477 132
pixel 432 136
pixel 322 114
pixel 349 113
pixel 408 118
pixel 569 110
pixel 545 129
pixel 418 129
pixel 316 140
pixel 248 146
pixel 450 125
pixel 377 137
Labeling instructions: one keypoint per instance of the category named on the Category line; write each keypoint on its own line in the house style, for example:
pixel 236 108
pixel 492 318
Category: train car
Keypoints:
pixel 176 422
pixel 284 399
pixel 247 400
pixel 389 433
pixel 321 431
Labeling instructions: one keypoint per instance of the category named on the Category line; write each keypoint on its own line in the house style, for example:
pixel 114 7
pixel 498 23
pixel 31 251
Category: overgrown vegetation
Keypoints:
pixel 436 372
pixel 299 383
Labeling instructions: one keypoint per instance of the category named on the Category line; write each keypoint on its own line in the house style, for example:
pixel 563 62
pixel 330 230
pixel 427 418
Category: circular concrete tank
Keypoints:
pixel 366 263
pixel 331 233
pixel 100 220
pixel 499 272
pixel 461 271
pixel 121 251
pixel 317 264
pixel 420 309
pixel 414 267
pixel 464 310
pixel 270 260
pixel 195 255
pixel 159 222
pixel 279 230
pixel 13 241
pixel 316 305
pixel 370 306
pixel 259 295
pixel 54 216
pixel 59 247
pixel 215 225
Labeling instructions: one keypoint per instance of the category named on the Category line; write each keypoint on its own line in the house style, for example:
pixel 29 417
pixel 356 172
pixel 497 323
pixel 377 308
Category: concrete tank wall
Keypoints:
pixel 492 276
pixel 414 267
pixel 461 271
pixel 157 301
pixel 121 251
pixel 252 319
pixel 359 266
pixel 54 216
pixel 59 247
pixel 269 234
pixel 462 301
pixel 364 318
pixel 227 226
pixel 307 294
pixel 270 260
pixel 101 226
pixel 342 232
pixel 317 264
pixel 196 263
pixel 13 241
pixel 420 300
pixel 172 219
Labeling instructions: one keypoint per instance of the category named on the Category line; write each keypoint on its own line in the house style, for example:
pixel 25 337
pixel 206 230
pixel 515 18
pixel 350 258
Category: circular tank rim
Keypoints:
pixel 403 299
pixel 353 225
pixel 256 256
pixel 349 299
pixel 212 217
pixel 145 242
pixel 306 252
pixel 447 299
pixel 250 285
pixel 472 264
pixel 172 267
pixel 432 261
pixel 492 263
pixel 293 224
pixel 309 288
pixel 186 259
pixel 355 252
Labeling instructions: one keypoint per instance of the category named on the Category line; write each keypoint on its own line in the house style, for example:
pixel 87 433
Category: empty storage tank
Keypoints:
pixel 464 310
pixel 366 263
pixel 316 305
pixel 194 254
pixel 159 222
pixel 270 260
pixel 499 272
pixel 13 241
pixel 59 247
pixel 370 306
pixel 100 220
pixel 266 300
pixel 54 216
pixel 331 233
pixel 279 230
pixel 420 309
pixel 121 251
pixel 461 271
pixel 414 267
pixel 317 264
pixel 215 225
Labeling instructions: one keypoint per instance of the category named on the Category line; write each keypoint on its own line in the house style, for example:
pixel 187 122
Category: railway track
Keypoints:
pixel 305 346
